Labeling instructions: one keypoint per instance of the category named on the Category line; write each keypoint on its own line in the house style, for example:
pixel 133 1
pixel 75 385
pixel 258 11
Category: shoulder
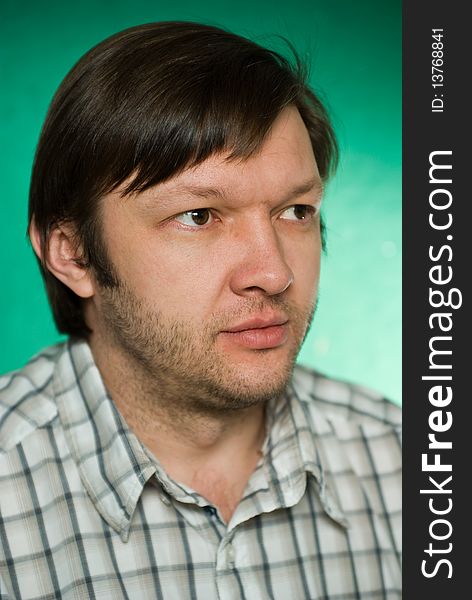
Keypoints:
pixel 27 398
pixel 342 401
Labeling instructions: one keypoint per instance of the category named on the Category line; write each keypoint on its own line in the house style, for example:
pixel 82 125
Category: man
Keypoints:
pixel 170 449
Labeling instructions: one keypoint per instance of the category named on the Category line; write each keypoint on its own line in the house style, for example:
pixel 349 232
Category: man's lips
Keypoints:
pixel 258 333
pixel 257 323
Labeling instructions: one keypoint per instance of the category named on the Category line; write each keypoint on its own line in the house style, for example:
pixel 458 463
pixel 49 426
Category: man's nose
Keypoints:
pixel 261 266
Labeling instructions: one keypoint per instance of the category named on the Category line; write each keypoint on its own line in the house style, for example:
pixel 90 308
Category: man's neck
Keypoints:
pixel 214 452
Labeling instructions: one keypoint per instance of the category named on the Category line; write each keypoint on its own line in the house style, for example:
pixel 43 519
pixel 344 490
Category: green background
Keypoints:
pixel 355 52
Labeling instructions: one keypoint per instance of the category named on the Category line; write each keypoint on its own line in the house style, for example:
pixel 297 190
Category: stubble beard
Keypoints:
pixel 180 365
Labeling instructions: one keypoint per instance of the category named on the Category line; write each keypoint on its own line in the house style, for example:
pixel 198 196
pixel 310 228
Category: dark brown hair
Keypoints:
pixel 149 102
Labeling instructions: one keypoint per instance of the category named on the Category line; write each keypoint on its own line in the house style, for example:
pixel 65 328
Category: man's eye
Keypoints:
pixel 299 212
pixel 195 218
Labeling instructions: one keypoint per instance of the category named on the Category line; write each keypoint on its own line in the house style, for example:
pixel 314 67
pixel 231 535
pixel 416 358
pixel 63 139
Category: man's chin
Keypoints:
pixel 236 398
pixel 247 383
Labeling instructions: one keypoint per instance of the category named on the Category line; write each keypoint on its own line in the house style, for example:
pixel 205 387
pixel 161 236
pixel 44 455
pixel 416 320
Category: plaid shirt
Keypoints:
pixel 87 512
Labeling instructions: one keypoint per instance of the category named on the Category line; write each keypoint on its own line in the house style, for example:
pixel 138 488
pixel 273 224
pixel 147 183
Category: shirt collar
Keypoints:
pixel 112 463
pixel 114 467
pixel 294 450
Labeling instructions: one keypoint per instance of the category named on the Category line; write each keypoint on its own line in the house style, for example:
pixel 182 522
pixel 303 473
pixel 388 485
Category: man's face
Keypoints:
pixel 218 270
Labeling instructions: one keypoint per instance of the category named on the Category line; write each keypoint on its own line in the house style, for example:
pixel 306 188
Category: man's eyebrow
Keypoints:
pixel 201 191
pixel 211 192
pixel 312 184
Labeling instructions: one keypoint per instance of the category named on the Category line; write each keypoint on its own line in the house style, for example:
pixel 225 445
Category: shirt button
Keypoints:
pixel 210 511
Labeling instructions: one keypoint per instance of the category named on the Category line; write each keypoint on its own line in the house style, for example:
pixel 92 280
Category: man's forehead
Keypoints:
pixel 284 166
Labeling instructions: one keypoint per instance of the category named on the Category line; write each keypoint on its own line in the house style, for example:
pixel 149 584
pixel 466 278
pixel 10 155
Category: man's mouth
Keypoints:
pixel 259 333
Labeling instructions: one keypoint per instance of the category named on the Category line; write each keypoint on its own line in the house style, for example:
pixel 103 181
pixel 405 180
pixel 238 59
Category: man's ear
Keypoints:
pixel 62 258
